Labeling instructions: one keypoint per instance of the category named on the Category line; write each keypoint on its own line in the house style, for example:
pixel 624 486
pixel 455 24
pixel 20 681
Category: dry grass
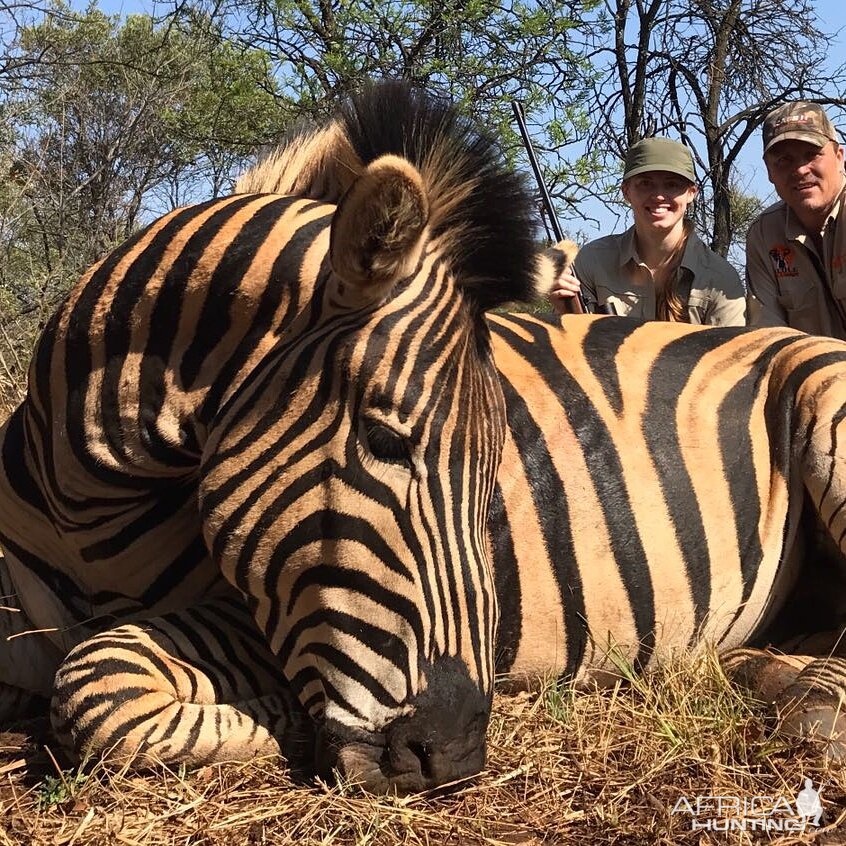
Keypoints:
pixel 9 401
pixel 563 768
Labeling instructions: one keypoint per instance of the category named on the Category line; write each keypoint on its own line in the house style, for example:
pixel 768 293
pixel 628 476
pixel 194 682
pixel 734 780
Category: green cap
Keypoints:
pixel 659 154
pixel 801 121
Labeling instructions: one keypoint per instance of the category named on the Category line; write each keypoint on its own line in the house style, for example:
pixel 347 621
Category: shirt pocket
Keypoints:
pixel 627 303
pixel 801 302
pixel 838 288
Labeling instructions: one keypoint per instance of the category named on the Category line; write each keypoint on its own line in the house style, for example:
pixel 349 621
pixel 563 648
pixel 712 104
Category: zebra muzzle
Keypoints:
pixel 441 742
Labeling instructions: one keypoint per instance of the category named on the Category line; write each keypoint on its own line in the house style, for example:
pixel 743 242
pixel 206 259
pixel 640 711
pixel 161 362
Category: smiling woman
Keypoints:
pixel 659 269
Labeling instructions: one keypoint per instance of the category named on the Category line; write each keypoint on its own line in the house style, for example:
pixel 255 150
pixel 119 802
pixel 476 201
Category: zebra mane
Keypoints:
pixel 481 210
pixel 317 163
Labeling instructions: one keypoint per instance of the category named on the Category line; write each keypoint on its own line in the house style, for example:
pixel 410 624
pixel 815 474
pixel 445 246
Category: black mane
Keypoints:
pixel 494 251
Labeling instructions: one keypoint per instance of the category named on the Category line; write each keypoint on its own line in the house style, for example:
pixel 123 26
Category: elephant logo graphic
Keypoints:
pixel 783 261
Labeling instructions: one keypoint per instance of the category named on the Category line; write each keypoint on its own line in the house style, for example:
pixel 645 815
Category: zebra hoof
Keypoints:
pixel 825 727
pixel 814 715
pixel 763 673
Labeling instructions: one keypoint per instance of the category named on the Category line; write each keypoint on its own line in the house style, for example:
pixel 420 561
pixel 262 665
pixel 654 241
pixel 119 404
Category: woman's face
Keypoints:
pixel 658 199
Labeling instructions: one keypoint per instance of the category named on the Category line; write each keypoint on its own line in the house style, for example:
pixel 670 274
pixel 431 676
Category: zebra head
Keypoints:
pixel 346 484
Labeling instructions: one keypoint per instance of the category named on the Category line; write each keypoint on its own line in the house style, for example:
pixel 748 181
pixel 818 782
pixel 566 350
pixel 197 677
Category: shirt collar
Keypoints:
pixel 628 250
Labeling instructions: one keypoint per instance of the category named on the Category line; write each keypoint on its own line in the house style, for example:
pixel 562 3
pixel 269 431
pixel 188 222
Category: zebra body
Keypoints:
pixel 118 441
pixel 248 502
pixel 650 500
pixel 578 430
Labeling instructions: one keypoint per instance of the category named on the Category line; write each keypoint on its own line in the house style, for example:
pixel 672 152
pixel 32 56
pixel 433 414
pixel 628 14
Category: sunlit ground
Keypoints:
pixel 563 767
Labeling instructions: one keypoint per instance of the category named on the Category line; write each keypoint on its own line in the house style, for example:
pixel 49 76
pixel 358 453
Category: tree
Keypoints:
pixel 105 125
pixel 110 112
pixel 706 73
pixel 482 54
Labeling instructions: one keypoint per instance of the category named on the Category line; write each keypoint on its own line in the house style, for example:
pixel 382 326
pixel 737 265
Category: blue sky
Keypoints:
pixel 750 173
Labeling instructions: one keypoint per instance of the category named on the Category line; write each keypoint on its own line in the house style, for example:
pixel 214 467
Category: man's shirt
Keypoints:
pixel 790 280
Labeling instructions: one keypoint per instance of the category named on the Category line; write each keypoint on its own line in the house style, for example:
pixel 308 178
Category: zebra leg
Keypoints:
pixel 820 444
pixel 198 686
pixel 814 705
pixel 28 660
pixel 764 673
pixel 808 689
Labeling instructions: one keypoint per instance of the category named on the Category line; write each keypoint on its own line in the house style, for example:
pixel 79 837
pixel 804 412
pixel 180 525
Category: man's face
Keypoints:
pixel 808 178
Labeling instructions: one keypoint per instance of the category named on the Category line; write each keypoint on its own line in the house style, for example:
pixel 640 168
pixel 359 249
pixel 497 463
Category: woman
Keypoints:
pixel 659 269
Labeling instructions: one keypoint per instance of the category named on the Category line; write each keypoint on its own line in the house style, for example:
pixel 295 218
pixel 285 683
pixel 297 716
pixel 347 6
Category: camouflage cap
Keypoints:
pixel 659 154
pixel 800 121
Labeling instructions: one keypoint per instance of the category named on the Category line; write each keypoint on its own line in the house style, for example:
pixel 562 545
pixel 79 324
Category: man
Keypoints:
pixel 796 249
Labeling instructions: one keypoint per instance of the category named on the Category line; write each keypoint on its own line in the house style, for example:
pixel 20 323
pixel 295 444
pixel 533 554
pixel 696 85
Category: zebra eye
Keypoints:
pixel 386 445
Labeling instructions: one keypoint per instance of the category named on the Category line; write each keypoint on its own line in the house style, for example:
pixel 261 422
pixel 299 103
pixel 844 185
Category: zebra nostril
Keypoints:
pixel 423 752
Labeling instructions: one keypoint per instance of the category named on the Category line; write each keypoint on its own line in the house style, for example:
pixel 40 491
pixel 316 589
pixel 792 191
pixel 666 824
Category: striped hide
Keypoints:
pixel 243 505
pixel 650 501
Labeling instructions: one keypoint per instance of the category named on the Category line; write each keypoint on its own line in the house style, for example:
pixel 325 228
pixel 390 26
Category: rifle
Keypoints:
pixel 577 304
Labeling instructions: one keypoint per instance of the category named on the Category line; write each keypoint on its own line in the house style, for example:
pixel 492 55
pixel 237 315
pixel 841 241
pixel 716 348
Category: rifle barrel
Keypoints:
pixel 578 304
pixel 533 161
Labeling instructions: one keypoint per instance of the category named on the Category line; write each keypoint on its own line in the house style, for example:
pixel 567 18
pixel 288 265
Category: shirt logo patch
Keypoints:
pixel 783 261
pixel 838 263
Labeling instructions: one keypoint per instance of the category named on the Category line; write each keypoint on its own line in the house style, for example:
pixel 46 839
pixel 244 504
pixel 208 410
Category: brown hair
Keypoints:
pixel 668 304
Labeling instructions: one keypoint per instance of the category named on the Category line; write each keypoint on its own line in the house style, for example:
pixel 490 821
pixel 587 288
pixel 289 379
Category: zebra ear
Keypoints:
pixel 379 229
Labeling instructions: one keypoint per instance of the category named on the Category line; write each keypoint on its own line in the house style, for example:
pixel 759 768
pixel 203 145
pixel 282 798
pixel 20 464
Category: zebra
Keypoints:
pixel 663 487
pixel 243 504
pixel 599 489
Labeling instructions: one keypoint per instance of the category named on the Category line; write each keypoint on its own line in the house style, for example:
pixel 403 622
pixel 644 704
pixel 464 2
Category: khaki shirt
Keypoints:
pixel 789 282
pixel 610 270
